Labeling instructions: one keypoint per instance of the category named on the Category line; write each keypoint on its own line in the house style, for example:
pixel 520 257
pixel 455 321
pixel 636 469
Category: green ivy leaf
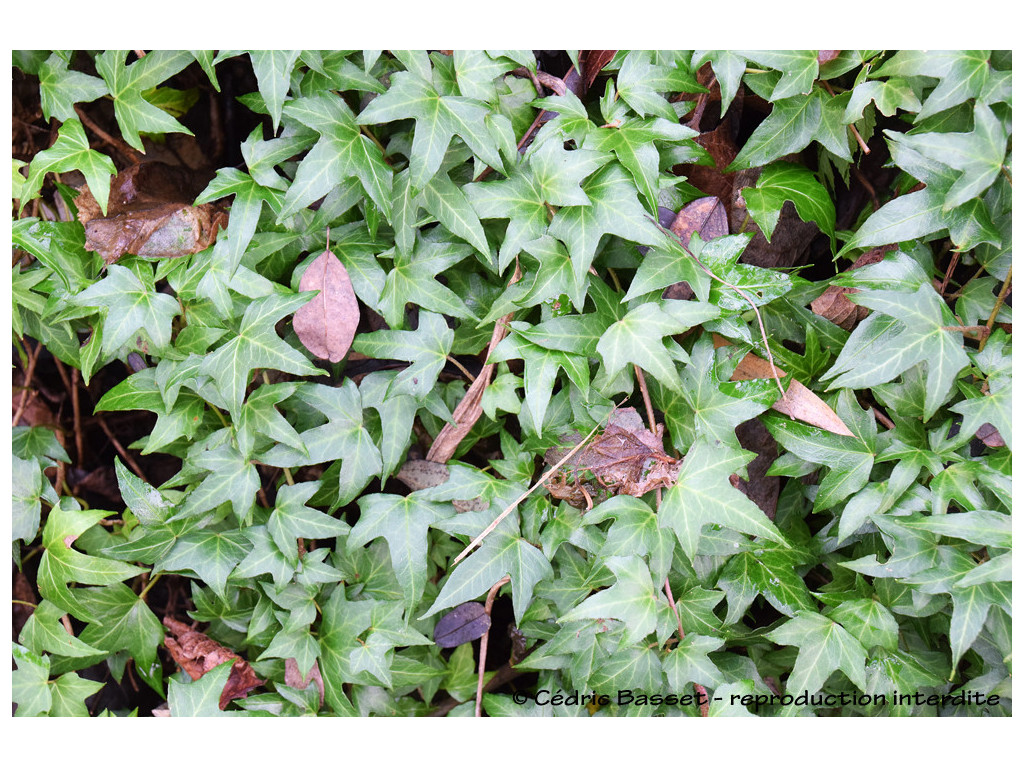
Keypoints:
pixel 438 118
pixel 503 553
pixel 199 698
pixel 703 495
pixel 273 75
pixel 632 599
pixel 906 329
pixel 124 623
pixel 70 152
pixel 210 555
pixel 30 688
pixel 613 209
pixel 769 571
pixel 61 565
pixel 550 175
pixel 403 521
pixel 825 646
pixel 43 632
pixel 780 182
pixel 61 88
pixel 341 153
pixel 132 304
pixel 414 280
pixel 256 346
pixel 426 348
pixel 126 84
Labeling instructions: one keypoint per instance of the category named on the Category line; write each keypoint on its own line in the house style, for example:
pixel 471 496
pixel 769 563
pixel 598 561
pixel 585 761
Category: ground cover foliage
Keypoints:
pixel 402 360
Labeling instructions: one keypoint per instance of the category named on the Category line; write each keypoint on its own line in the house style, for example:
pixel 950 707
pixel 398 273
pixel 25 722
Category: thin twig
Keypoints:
pixel 120 449
pixel 543 479
pixel 884 420
pixel 642 381
pixel 999 305
pixel 76 411
pixel 113 141
pixel 488 604
pixel 949 272
pixel 757 312
pixel 451 359
pixel 30 370
pixel 700 690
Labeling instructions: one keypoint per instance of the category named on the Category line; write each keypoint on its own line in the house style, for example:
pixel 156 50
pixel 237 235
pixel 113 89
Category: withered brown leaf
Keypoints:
pixel 626 458
pixel 197 654
pixel 295 679
pixel 150 214
pixel 706 217
pixel 834 305
pixel 327 324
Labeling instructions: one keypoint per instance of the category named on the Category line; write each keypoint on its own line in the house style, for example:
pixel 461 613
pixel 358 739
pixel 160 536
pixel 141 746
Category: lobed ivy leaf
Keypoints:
pixel 631 600
pixel 426 348
pixel 70 152
pixel 825 646
pixel 126 84
pixel 780 182
pixel 438 119
pixel 61 565
pixel 256 346
pixel 503 553
pixel 906 329
pixel 341 153
pixel 703 495
pixel 403 521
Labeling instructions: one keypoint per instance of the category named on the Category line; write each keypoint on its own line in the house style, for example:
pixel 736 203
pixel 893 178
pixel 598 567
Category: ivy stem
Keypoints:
pixel 366 132
pixel 462 368
pixel 999 305
pixel 149 586
pixel 488 604
pixel 107 138
pixel 15 601
pixel 700 690
pixel 76 414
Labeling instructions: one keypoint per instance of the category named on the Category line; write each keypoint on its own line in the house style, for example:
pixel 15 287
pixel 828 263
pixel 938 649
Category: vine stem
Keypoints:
pixel 488 604
pixel 30 370
pixel 702 692
pixel 999 305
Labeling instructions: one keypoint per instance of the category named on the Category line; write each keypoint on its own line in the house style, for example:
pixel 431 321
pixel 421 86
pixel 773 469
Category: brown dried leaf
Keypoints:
pixel 592 63
pixel 799 402
pixel 833 304
pixel 824 57
pixel 419 474
pixel 327 324
pixel 990 436
pixel 294 679
pixel 462 624
pixel 150 214
pixel 625 459
pixel 469 410
pixel 706 217
pixel 197 654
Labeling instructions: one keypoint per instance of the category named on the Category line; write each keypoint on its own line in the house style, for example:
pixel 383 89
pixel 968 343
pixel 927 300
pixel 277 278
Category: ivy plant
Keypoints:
pixel 511 228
